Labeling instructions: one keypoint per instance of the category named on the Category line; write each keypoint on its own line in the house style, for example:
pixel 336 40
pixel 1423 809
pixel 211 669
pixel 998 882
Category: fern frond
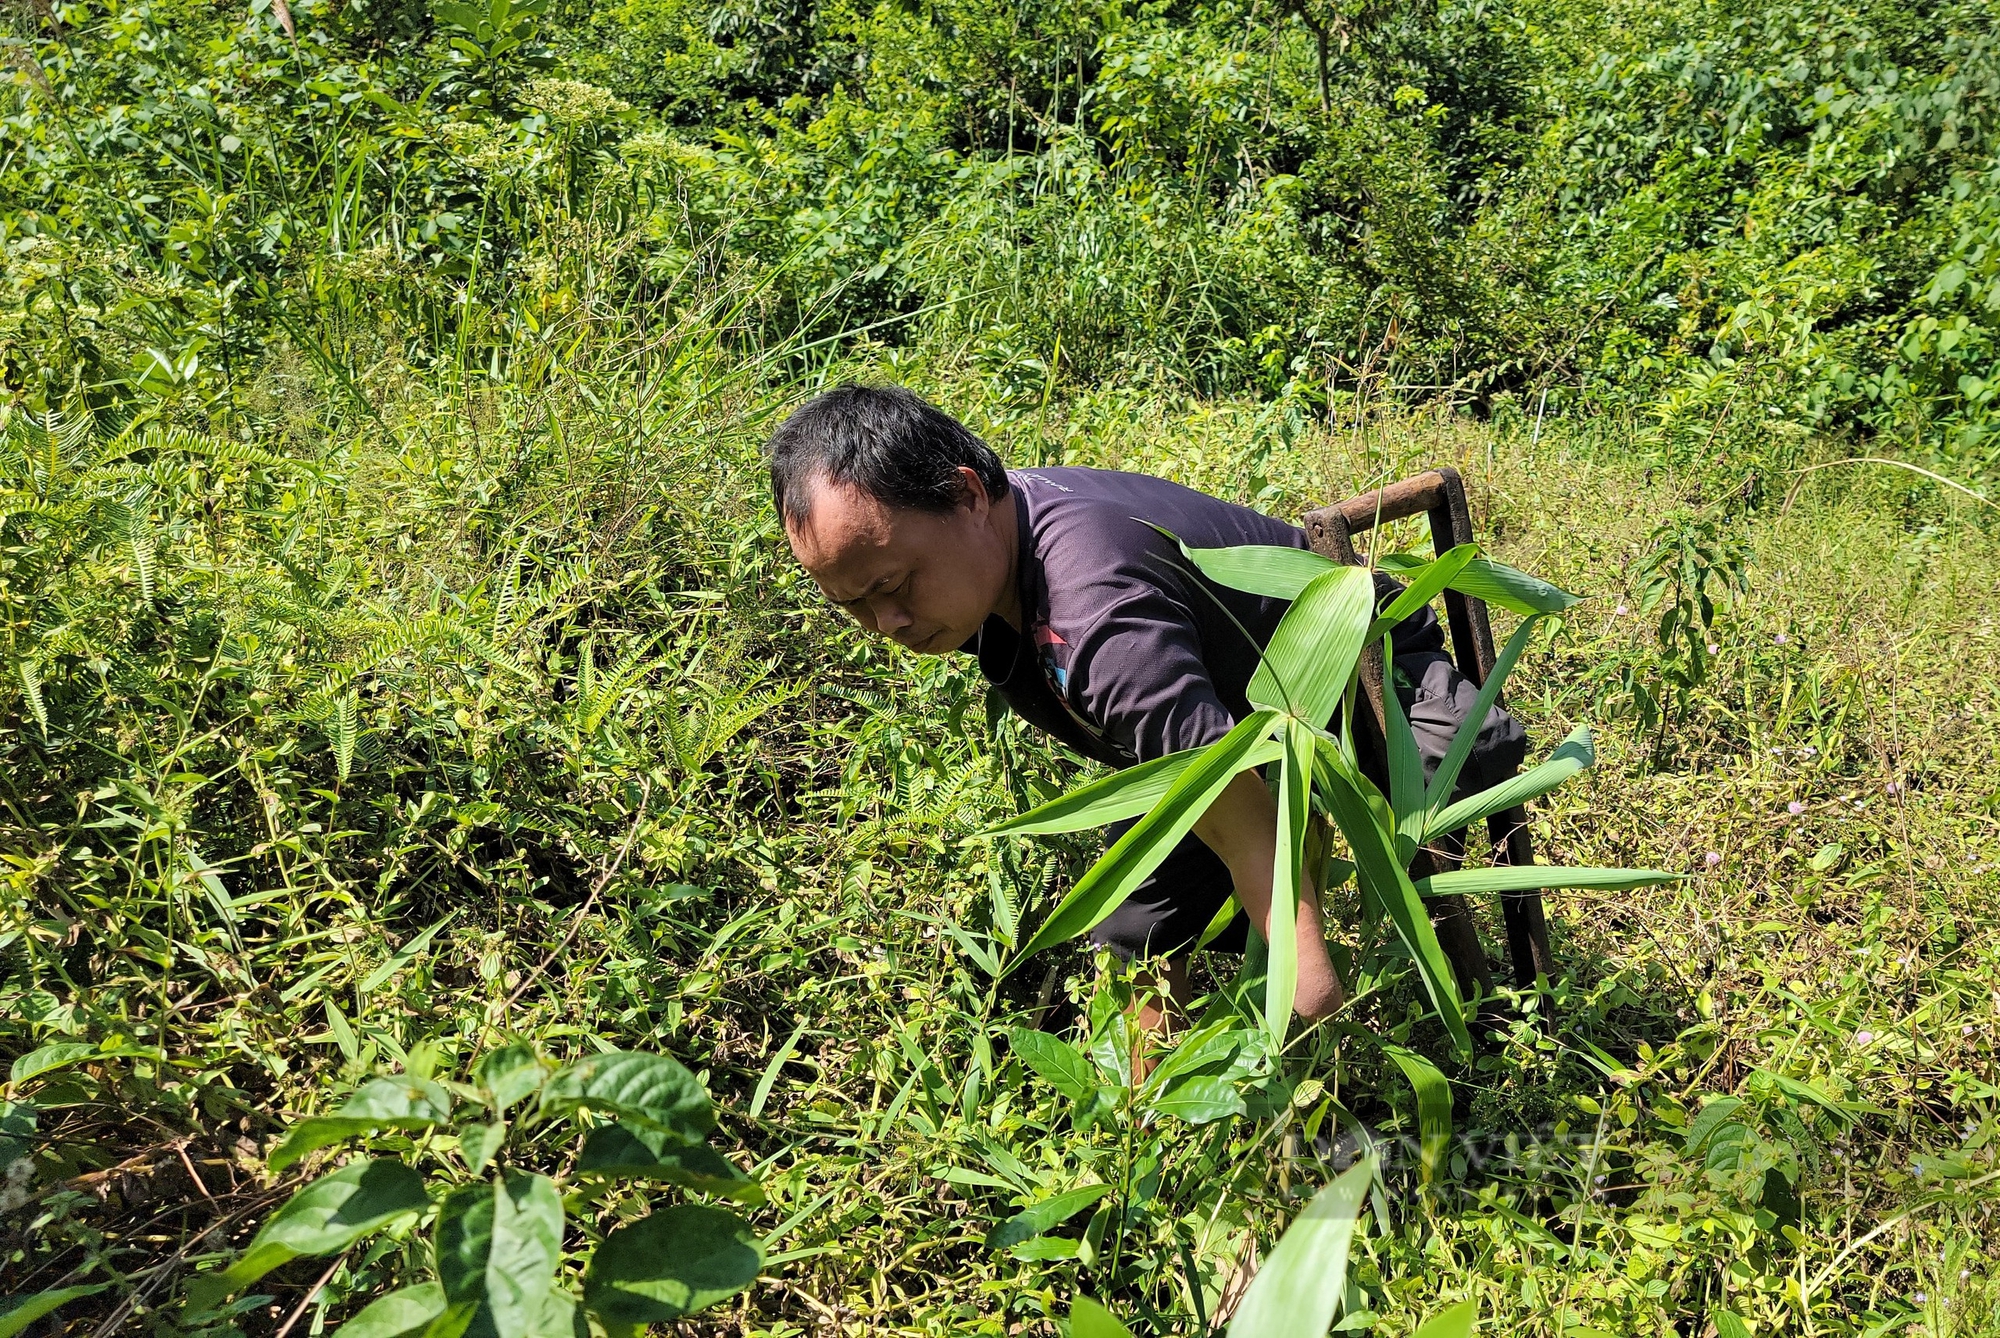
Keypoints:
pixel 31 689
pixel 344 731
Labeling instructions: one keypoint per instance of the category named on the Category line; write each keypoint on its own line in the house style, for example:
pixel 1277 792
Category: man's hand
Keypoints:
pixel 1241 827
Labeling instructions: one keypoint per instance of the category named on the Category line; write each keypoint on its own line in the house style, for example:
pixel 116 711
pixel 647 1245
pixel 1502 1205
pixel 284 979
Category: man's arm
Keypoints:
pixel 1241 827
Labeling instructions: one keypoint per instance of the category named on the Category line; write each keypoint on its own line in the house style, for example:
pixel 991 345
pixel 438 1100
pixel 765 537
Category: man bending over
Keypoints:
pixel 1093 627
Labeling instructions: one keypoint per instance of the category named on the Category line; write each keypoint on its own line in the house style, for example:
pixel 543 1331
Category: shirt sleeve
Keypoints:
pixel 1140 676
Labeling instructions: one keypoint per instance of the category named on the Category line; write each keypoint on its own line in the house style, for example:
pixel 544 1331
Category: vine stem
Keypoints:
pixel 311 1292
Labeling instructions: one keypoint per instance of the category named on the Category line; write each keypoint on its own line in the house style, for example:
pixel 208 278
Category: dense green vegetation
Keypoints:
pixel 402 663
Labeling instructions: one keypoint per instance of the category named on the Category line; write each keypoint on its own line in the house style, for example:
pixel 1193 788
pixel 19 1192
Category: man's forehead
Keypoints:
pixel 845 538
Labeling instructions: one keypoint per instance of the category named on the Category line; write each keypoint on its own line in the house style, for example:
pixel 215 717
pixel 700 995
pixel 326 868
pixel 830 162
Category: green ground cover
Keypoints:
pixel 401 656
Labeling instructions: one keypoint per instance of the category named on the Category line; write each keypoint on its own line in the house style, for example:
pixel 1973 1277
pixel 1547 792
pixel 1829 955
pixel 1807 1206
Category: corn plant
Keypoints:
pixel 1307 678
pixel 498 1227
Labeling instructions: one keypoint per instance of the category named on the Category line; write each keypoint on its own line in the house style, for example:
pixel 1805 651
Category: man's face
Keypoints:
pixel 925 581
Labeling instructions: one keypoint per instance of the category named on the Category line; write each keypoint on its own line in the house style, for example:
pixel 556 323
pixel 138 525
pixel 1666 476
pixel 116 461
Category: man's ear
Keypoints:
pixel 972 494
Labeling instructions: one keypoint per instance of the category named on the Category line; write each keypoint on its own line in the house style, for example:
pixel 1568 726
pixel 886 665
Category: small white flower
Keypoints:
pixel 1712 858
pixel 1780 638
pixel 1919 1298
pixel 1713 648
pixel 1863 1037
pixel 1795 808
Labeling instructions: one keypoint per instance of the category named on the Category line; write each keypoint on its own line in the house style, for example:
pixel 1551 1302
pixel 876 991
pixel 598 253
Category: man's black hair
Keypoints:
pixel 884 440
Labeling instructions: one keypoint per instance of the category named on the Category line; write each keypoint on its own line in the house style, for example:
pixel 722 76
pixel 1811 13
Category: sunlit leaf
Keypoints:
pixel 326 1216
pixel 1301 1285
pixel 1198 1100
pixel 1355 804
pixel 1425 583
pixel 1537 877
pixel 1574 755
pixel 1453 1323
pixel 1140 850
pixel 377 1105
pixel 1260 569
pixel 1311 657
pixel 1499 585
pixel 1055 1059
pixel 1433 1104
pixel 18 1312
pixel 672 1263
pixel 646 1154
pixel 510 1074
pixel 398 1313
pixel 1122 794
pixel 648 1090
pixel 1088 1319
pixel 1287 880
pixel 1040 1217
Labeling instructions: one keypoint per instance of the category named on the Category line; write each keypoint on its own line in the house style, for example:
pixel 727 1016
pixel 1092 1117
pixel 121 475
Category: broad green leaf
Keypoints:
pixel 1123 794
pixel 671 1263
pixel 1515 591
pixel 1425 583
pixel 509 1074
pixel 1302 1284
pixel 1453 1323
pixel 17 1131
pixel 1088 1319
pixel 1281 976
pixel 646 1154
pixel 1040 1217
pixel 47 1059
pixel 18 1312
pixel 1262 569
pixel 398 1313
pixel 1211 1043
pixel 1199 1100
pixel 1574 755
pixel 1055 1059
pixel 651 1091
pixel 1139 851
pixel 381 1103
pixel 478 1142
pixel 1535 877
pixel 1311 657
pixel 325 1217
pixel 1354 803
pixel 522 1254
pixel 1445 779
pixel 1433 1104
pixel 1728 1324
pixel 463 1241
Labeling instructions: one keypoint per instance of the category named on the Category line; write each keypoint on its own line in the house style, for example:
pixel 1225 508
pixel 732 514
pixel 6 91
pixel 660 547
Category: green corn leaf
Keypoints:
pixel 1453 1323
pixel 1040 1217
pixel 1306 668
pixel 1425 583
pixel 671 1263
pixel 1515 591
pixel 1137 853
pixel 1088 1319
pixel 1302 1284
pixel 325 1217
pixel 1355 804
pixel 1261 569
pixel 18 1312
pixel 1573 756
pixel 1123 794
pixel 396 1314
pixel 1281 978
pixel 1536 877
pixel 1056 1060
pixel 1433 1105
pixel 382 1103
pixel 1199 1100
pixel 651 1091
pixel 1445 779
pixel 621 1151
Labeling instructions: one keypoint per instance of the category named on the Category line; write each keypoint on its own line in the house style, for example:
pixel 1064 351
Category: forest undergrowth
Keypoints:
pixel 507 715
